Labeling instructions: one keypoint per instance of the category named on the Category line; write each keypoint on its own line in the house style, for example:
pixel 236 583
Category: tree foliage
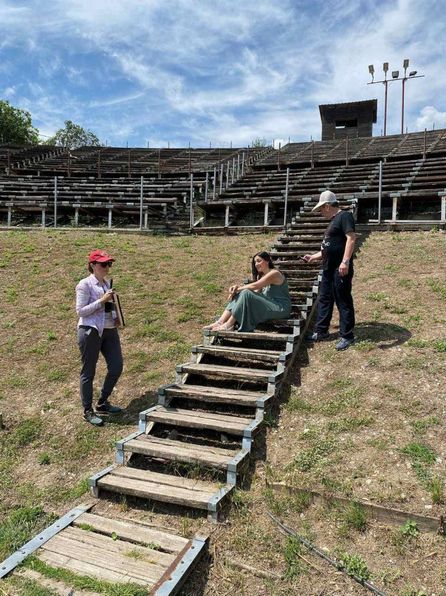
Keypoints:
pixel 16 125
pixel 74 136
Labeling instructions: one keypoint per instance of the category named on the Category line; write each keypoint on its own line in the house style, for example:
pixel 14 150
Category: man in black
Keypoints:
pixel 336 285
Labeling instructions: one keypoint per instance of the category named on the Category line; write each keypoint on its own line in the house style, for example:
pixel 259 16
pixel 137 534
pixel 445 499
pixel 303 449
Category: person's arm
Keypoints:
pixel 83 307
pixel 348 253
pixel 317 256
pixel 268 279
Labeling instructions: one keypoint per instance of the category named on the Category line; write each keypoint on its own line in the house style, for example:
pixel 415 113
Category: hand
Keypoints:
pixel 307 258
pixel 343 269
pixel 233 290
pixel 107 297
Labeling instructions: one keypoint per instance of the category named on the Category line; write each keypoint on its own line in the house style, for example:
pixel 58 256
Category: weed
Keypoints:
pixel 51 336
pixel 17 382
pixel 297 404
pixel 440 345
pixel 365 345
pixel 436 489
pixel 378 297
pixel 354 517
pixel 418 452
pixel 241 500
pixel 355 566
pixel 29 587
pixel 44 459
pixel 27 431
pixel 310 458
pixel 420 426
pixel 437 287
pixel 291 553
pixel 410 529
pixel 349 424
pixel 283 504
pixel 56 375
pixel 417 343
pixel 19 526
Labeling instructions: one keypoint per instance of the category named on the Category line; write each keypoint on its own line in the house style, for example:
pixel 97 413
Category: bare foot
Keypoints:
pixel 224 327
pixel 213 326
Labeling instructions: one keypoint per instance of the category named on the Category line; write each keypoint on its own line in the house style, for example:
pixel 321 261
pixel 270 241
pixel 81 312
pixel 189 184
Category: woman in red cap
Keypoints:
pixel 97 333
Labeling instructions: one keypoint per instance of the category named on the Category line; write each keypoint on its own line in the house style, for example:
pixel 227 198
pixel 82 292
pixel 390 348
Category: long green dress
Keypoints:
pixel 250 308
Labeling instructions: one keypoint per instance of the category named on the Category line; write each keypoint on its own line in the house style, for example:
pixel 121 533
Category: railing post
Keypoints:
pixel 380 190
pixel 227 174
pixel 243 163
pixel 443 208
pixel 141 199
pixel 221 177
pixel 424 143
pixel 278 158
pixel 55 201
pixel 8 154
pixel 238 166
pixel 110 208
pixel 8 223
pixel 312 154
pixel 43 216
pixel 99 163
pixel 129 165
pixel 394 208
pixel 206 185
pixel 191 214
pixel 346 151
pixel 69 164
pixel 226 216
pixel 266 214
pixel 76 217
pixel 214 182
pixel 285 208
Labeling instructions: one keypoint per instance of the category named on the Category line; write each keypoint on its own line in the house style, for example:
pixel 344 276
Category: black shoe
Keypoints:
pixel 91 417
pixel 106 408
pixel 318 336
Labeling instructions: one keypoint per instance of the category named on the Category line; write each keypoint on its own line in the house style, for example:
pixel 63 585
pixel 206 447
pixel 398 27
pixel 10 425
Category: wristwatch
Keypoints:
pixel 346 261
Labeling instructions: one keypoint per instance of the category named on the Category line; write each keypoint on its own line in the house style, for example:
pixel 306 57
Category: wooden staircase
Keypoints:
pixel 193 446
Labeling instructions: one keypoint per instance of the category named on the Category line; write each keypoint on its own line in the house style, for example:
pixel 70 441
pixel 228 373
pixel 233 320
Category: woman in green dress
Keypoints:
pixel 267 297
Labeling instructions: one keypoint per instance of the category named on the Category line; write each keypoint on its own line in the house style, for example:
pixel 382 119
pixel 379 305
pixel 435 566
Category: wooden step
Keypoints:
pixel 236 353
pixel 191 453
pixel 234 373
pixel 160 487
pixel 210 394
pixel 260 336
pixel 235 425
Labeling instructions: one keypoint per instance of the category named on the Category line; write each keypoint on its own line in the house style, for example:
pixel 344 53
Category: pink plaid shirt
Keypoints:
pixel 88 293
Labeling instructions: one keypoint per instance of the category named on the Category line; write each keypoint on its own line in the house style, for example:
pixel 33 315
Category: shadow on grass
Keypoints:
pixel 384 335
pixel 130 415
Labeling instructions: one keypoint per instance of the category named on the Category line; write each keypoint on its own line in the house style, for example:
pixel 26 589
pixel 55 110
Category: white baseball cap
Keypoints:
pixel 326 197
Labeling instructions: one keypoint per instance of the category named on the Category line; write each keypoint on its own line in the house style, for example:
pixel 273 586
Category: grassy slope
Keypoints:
pixel 367 423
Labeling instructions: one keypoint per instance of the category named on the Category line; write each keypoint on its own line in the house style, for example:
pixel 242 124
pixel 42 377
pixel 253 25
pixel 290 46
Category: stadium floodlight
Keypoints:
pixel 406 63
pixel 372 71
pixel 413 73
pixel 385 68
pixel 395 74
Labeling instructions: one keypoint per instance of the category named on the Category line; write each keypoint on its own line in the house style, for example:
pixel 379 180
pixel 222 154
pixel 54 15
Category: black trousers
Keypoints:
pixel 90 346
pixel 335 289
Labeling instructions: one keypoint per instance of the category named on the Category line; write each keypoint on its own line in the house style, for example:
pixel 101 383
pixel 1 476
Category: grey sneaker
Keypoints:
pixel 107 408
pixel 318 336
pixel 91 417
pixel 344 343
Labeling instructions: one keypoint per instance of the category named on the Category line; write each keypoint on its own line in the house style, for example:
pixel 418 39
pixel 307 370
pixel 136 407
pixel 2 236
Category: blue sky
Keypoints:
pixel 217 71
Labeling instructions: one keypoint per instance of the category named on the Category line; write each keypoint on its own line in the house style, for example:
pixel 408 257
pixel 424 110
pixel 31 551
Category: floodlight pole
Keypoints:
pixel 385 82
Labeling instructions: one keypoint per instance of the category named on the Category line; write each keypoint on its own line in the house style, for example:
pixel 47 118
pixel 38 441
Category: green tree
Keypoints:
pixel 74 136
pixel 16 125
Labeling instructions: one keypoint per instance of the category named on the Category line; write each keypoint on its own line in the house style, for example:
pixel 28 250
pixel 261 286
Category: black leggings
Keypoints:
pixel 335 289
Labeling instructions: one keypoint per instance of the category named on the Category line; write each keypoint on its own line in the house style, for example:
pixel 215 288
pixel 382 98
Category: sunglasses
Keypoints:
pixel 106 264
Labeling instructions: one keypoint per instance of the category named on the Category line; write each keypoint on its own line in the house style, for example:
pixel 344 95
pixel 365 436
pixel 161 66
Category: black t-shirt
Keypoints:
pixel 333 244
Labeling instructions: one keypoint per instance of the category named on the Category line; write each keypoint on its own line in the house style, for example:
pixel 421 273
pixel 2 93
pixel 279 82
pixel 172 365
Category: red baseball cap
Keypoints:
pixel 99 256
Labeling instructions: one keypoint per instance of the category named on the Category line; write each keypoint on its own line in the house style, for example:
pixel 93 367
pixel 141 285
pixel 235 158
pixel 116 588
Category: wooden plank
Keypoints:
pixel 189 484
pixel 91 552
pixel 240 353
pixel 183 452
pixel 257 335
pixel 95 570
pixel 222 391
pixel 189 420
pixel 146 553
pixel 197 414
pixel 154 491
pixel 227 371
pixel 211 449
pixel 133 532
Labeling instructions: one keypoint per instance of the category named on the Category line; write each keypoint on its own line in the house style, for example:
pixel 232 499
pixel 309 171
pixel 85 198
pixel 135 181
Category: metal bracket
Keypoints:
pixel 93 480
pixel 175 579
pixel 30 547
pixel 233 466
pixel 142 417
pixel 120 454
pixel 215 500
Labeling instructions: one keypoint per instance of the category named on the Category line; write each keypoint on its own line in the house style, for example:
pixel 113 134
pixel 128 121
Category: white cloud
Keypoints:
pixel 431 117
